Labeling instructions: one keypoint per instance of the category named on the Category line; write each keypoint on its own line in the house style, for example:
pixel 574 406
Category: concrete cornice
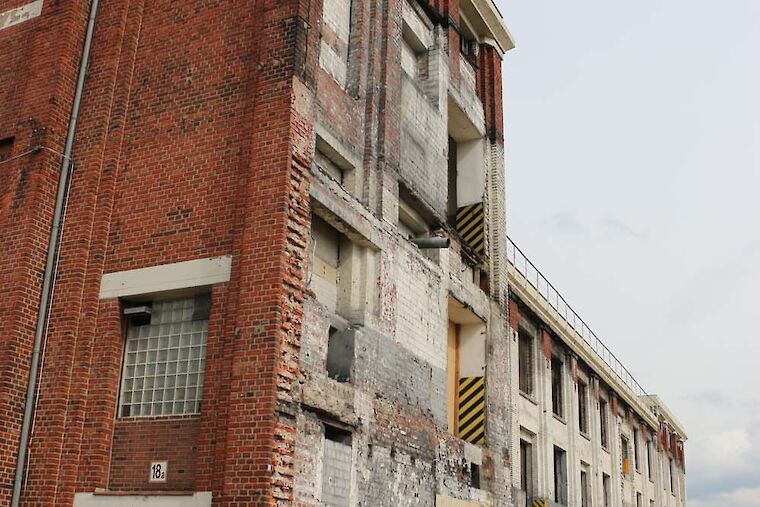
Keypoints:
pixel 487 20
pixel 531 298
pixel 656 402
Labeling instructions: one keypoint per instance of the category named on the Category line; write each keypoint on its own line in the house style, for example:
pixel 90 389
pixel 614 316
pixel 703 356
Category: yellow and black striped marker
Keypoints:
pixel 540 502
pixel 471 226
pixel 471 413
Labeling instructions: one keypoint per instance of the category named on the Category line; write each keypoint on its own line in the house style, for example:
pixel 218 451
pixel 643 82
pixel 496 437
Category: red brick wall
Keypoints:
pixel 39 60
pixel 195 140
pixel 489 90
pixel 190 144
pixel 138 442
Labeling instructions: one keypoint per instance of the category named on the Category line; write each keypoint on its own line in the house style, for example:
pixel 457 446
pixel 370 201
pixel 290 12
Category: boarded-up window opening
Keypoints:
pixel 336 467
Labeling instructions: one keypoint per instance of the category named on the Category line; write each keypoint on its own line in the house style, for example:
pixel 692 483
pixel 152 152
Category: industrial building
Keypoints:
pixel 255 253
pixel 585 432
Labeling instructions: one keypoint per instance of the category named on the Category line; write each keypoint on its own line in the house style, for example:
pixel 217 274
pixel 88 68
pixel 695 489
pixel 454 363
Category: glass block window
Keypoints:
pixel 164 359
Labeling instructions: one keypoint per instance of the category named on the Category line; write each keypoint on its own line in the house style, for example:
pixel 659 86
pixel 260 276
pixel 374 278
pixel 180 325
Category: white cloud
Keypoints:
pixel 728 447
pixel 743 497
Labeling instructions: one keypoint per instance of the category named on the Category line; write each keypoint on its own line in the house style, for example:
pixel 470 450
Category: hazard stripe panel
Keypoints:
pixel 540 502
pixel 471 226
pixel 471 410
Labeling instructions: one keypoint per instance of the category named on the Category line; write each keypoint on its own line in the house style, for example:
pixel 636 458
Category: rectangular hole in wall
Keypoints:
pixel 475 475
pixel 340 354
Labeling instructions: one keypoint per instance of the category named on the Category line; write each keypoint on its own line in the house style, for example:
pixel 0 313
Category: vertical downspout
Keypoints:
pixel 47 280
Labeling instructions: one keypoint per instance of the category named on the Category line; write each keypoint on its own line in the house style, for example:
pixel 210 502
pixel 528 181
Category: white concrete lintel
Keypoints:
pixel 103 499
pixel 18 15
pixel 166 277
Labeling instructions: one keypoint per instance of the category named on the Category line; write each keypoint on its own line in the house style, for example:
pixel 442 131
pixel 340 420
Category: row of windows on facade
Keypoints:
pixel 560 471
pixel 526 386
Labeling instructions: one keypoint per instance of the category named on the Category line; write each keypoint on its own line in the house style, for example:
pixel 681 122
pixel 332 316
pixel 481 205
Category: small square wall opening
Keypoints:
pixel 475 475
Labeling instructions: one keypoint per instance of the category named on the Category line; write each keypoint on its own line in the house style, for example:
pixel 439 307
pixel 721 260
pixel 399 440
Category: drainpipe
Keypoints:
pixel 47 280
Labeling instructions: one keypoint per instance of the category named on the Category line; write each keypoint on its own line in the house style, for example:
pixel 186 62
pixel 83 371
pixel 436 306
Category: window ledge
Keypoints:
pixel 528 397
pixel 157 418
pixel 560 418
pixel 585 435
pixel 147 492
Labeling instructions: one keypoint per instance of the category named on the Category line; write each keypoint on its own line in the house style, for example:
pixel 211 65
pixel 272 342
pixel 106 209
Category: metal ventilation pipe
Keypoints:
pixel 432 242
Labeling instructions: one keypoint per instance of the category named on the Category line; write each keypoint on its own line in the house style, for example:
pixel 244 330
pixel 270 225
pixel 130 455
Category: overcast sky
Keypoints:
pixel 633 173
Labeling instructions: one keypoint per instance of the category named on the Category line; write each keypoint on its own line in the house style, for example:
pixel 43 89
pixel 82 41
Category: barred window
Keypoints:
pixel 164 359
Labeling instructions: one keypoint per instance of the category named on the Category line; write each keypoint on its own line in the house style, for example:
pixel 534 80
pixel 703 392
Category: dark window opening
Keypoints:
pixel 560 476
pixel 340 354
pixel 525 359
pixel 452 178
pixel 603 423
pixel 583 407
pixel 557 394
pixel 526 467
pixel 606 490
pixel 636 451
pixel 475 475
pixel 584 489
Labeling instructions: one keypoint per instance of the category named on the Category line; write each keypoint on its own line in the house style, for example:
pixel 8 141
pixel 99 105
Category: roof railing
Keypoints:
pixel 546 290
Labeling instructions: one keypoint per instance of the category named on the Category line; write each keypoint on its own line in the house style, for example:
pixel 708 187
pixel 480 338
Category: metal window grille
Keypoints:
pixel 164 360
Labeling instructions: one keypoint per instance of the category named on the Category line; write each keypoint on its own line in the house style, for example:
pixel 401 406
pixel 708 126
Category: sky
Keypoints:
pixel 633 172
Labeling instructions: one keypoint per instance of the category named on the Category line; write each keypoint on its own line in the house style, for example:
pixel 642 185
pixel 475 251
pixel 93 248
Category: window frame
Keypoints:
pixel 524 335
pixel 558 395
pixel 124 379
pixel 604 437
pixel 583 412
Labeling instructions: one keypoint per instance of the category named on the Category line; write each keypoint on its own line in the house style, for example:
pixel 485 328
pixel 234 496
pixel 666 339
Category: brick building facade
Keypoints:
pixel 280 273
